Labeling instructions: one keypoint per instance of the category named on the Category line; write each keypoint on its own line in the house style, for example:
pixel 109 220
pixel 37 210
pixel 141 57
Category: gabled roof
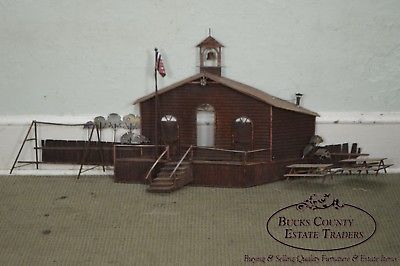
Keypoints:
pixel 210 42
pixel 240 87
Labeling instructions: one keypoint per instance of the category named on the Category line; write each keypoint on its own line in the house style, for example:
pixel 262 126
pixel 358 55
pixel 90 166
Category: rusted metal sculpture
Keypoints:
pixel 269 133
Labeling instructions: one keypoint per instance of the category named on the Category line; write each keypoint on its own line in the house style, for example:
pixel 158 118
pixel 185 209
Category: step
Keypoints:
pixel 161 189
pixel 172 167
pixel 168 187
pixel 166 169
pixel 162 178
pixel 168 173
pixel 175 163
pixel 162 184
pixel 167 182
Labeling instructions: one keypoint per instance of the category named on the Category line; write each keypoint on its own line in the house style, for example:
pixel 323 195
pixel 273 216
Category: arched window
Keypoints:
pixel 167 118
pixel 243 119
pixel 242 134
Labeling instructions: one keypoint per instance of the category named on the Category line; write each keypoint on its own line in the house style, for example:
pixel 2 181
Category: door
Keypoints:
pixel 242 134
pixel 170 134
pixel 205 122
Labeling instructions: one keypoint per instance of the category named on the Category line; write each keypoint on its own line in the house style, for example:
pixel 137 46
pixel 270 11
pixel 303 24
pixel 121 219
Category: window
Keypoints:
pixel 243 119
pixel 167 118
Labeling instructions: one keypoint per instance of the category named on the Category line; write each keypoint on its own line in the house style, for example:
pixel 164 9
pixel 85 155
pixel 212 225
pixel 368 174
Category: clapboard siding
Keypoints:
pixel 291 132
pixel 131 171
pixel 218 175
pixel 229 104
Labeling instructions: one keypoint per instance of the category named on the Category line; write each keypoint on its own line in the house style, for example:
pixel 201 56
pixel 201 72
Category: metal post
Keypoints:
pixel 244 164
pixel 100 149
pixel 155 105
pixel 86 151
pixel 36 146
pixel 22 146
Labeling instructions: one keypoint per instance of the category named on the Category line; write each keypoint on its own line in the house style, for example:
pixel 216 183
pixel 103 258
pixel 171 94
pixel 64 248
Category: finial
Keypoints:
pixel 209 31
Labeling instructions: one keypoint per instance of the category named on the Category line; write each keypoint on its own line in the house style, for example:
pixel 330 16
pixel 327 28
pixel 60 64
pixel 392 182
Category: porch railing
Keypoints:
pixel 165 153
pixel 188 151
pixel 227 155
pixel 122 151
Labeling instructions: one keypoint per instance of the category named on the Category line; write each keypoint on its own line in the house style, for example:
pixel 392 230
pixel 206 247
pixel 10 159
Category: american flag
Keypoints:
pixel 160 65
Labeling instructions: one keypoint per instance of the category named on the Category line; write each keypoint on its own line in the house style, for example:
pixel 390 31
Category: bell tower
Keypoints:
pixel 210 55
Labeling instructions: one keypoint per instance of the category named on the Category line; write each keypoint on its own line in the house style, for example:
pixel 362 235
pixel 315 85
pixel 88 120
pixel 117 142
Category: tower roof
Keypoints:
pixel 210 42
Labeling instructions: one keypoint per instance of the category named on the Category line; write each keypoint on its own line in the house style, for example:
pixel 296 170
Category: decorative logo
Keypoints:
pixel 319 202
pixel 321 223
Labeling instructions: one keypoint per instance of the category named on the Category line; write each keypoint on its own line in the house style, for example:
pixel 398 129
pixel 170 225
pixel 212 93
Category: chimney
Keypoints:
pixel 298 98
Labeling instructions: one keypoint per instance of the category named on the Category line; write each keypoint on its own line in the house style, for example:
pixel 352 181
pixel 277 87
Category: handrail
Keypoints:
pixel 180 162
pixel 217 149
pixel 140 145
pixel 244 154
pixel 233 151
pixel 156 162
pixel 259 150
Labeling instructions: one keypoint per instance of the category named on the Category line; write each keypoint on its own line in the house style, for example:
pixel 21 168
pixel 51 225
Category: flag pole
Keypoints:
pixel 155 104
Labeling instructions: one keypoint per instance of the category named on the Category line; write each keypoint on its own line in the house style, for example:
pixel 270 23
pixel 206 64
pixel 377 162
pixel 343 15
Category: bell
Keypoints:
pixel 211 56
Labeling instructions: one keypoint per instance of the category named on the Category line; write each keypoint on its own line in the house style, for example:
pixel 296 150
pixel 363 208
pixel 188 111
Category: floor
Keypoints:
pixel 93 221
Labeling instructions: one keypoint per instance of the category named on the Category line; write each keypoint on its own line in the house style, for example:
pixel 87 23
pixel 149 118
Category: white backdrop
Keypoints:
pixel 96 56
pixel 75 59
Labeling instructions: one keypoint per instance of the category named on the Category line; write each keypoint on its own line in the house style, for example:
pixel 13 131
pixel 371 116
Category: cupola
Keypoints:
pixel 210 56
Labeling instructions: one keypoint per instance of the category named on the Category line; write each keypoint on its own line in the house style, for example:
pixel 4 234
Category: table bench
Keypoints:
pixel 364 164
pixel 309 170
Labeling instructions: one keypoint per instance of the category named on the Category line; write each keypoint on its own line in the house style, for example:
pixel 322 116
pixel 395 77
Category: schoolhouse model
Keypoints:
pixel 214 131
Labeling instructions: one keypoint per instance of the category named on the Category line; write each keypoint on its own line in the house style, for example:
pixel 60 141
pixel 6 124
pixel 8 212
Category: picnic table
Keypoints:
pixel 366 164
pixel 309 170
pixel 347 155
pixel 336 157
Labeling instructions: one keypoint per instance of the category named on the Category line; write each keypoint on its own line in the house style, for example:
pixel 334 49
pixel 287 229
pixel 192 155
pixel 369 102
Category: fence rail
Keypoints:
pixel 138 151
pixel 218 154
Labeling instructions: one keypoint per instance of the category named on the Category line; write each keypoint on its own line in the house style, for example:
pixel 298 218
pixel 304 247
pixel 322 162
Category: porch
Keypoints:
pixel 208 166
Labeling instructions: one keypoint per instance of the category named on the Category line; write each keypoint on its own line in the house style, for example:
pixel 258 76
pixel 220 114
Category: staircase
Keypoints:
pixel 164 182
pixel 173 175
